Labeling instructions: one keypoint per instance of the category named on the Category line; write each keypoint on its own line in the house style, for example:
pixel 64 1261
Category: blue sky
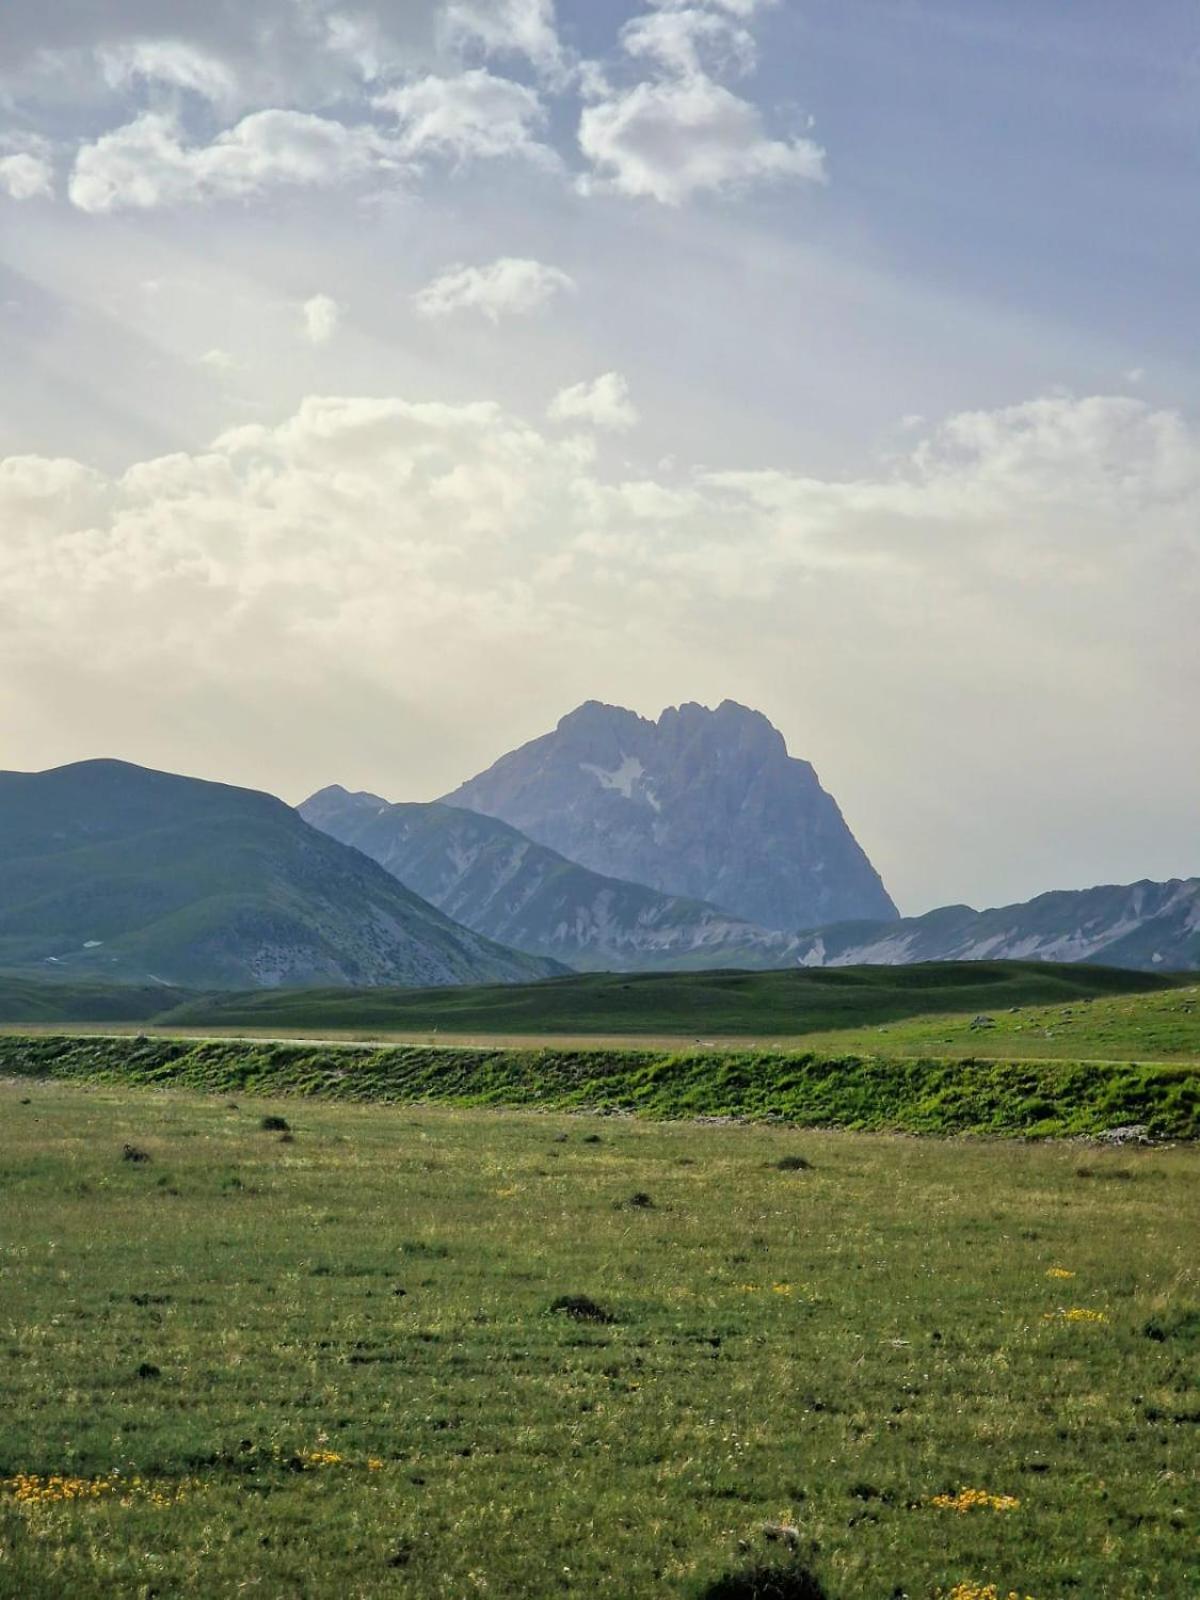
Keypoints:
pixel 381 380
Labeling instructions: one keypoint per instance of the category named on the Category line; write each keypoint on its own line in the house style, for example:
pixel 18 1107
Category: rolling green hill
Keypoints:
pixel 111 870
pixel 54 1000
pixel 763 1005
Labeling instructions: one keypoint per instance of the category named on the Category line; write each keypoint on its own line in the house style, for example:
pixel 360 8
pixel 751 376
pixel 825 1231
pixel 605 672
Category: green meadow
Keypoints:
pixel 440 1352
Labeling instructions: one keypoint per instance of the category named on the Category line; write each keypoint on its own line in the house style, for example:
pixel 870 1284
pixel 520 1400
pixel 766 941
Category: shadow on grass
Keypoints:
pixel 766 1582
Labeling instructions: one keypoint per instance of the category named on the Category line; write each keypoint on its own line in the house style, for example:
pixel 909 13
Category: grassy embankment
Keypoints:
pixel 1032 1099
pixel 331 1366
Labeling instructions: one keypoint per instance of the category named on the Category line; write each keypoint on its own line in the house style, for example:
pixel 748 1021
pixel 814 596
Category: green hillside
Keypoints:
pixel 110 870
pixel 763 1005
pixel 51 1000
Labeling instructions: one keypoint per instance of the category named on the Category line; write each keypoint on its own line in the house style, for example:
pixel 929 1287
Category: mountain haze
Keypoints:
pixel 1144 926
pixel 704 804
pixel 116 870
pixel 489 876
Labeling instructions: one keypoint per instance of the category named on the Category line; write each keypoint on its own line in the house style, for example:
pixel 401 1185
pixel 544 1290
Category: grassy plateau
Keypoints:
pixel 305 1348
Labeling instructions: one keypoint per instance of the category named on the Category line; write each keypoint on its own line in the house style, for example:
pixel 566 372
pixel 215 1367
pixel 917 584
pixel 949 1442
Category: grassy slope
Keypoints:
pixel 25 1000
pixel 117 871
pixel 1032 1099
pixel 832 1347
pixel 765 1005
pixel 1163 1026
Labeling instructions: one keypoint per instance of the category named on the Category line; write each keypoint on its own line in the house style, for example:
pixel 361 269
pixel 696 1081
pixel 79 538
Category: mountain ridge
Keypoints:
pixel 114 869
pixel 706 804
pixel 1142 926
pixel 488 875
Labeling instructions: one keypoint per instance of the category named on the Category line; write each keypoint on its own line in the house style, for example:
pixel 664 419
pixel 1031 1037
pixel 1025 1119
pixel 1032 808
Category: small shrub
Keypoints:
pixel 592 1138
pixel 275 1125
pixel 287 1138
pixel 766 1582
pixel 130 1152
pixel 148 1370
pixel 1178 1325
pixel 582 1308
pixel 793 1164
pixel 640 1201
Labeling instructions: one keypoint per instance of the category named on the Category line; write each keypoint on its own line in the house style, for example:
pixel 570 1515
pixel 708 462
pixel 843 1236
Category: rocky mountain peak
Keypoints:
pixel 704 803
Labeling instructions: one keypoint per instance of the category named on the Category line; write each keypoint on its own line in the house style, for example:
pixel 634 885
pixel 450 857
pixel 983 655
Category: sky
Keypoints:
pixel 379 381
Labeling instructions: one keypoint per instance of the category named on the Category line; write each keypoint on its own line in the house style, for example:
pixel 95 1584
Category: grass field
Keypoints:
pixel 331 1366
pixel 764 1006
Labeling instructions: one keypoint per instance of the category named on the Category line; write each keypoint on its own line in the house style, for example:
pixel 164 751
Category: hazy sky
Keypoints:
pixel 381 380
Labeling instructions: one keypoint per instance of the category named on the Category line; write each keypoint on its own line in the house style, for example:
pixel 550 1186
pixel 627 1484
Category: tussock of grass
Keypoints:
pixel 1032 1099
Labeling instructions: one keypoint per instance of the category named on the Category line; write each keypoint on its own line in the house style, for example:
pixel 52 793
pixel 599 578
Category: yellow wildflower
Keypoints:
pixel 982 1591
pixel 974 1499
pixel 1074 1314
pixel 1059 1272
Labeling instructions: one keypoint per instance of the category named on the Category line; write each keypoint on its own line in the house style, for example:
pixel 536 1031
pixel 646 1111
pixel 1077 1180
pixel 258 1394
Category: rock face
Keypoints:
pixel 115 871
pixel 1151 927
pixel 493 879
pixel 705 804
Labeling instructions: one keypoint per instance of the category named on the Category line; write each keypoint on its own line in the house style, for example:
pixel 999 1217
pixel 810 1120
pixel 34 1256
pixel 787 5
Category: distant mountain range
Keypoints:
pixel 613 843
pixel 702 804
pixel 1145 926
pixel 113 870
pixel 493 879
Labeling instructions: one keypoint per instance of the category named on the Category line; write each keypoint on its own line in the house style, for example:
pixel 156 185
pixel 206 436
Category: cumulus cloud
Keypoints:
pixel 1041 561
pixel 322 314
pixel 604 403
pixel 303 54
pixel 148 162
pixel 681 132
pixel 690 40
pixel 511 286
pixel 674 138
pixel 172 62
pixel 27 174
pixel 507 27
pixel 474 116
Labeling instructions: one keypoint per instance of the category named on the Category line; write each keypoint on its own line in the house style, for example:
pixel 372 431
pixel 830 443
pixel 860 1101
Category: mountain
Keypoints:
pixel 1145 926
pixel 485 874
pixel 704 804
pixel 114 870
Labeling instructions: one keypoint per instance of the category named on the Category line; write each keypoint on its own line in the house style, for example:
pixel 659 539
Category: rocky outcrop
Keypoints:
pixel 705 804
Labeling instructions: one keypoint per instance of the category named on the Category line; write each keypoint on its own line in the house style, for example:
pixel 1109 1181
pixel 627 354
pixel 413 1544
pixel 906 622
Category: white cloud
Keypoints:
pixel 474 116
pixel 507 27
pixel 511 286
pixel 27 175
pixel 171 62
pixel 1028 578
pixel 322 314
pixel 689 40
pixel 674 138
pixel 605 403
pixel 220 360
pixel 147 163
